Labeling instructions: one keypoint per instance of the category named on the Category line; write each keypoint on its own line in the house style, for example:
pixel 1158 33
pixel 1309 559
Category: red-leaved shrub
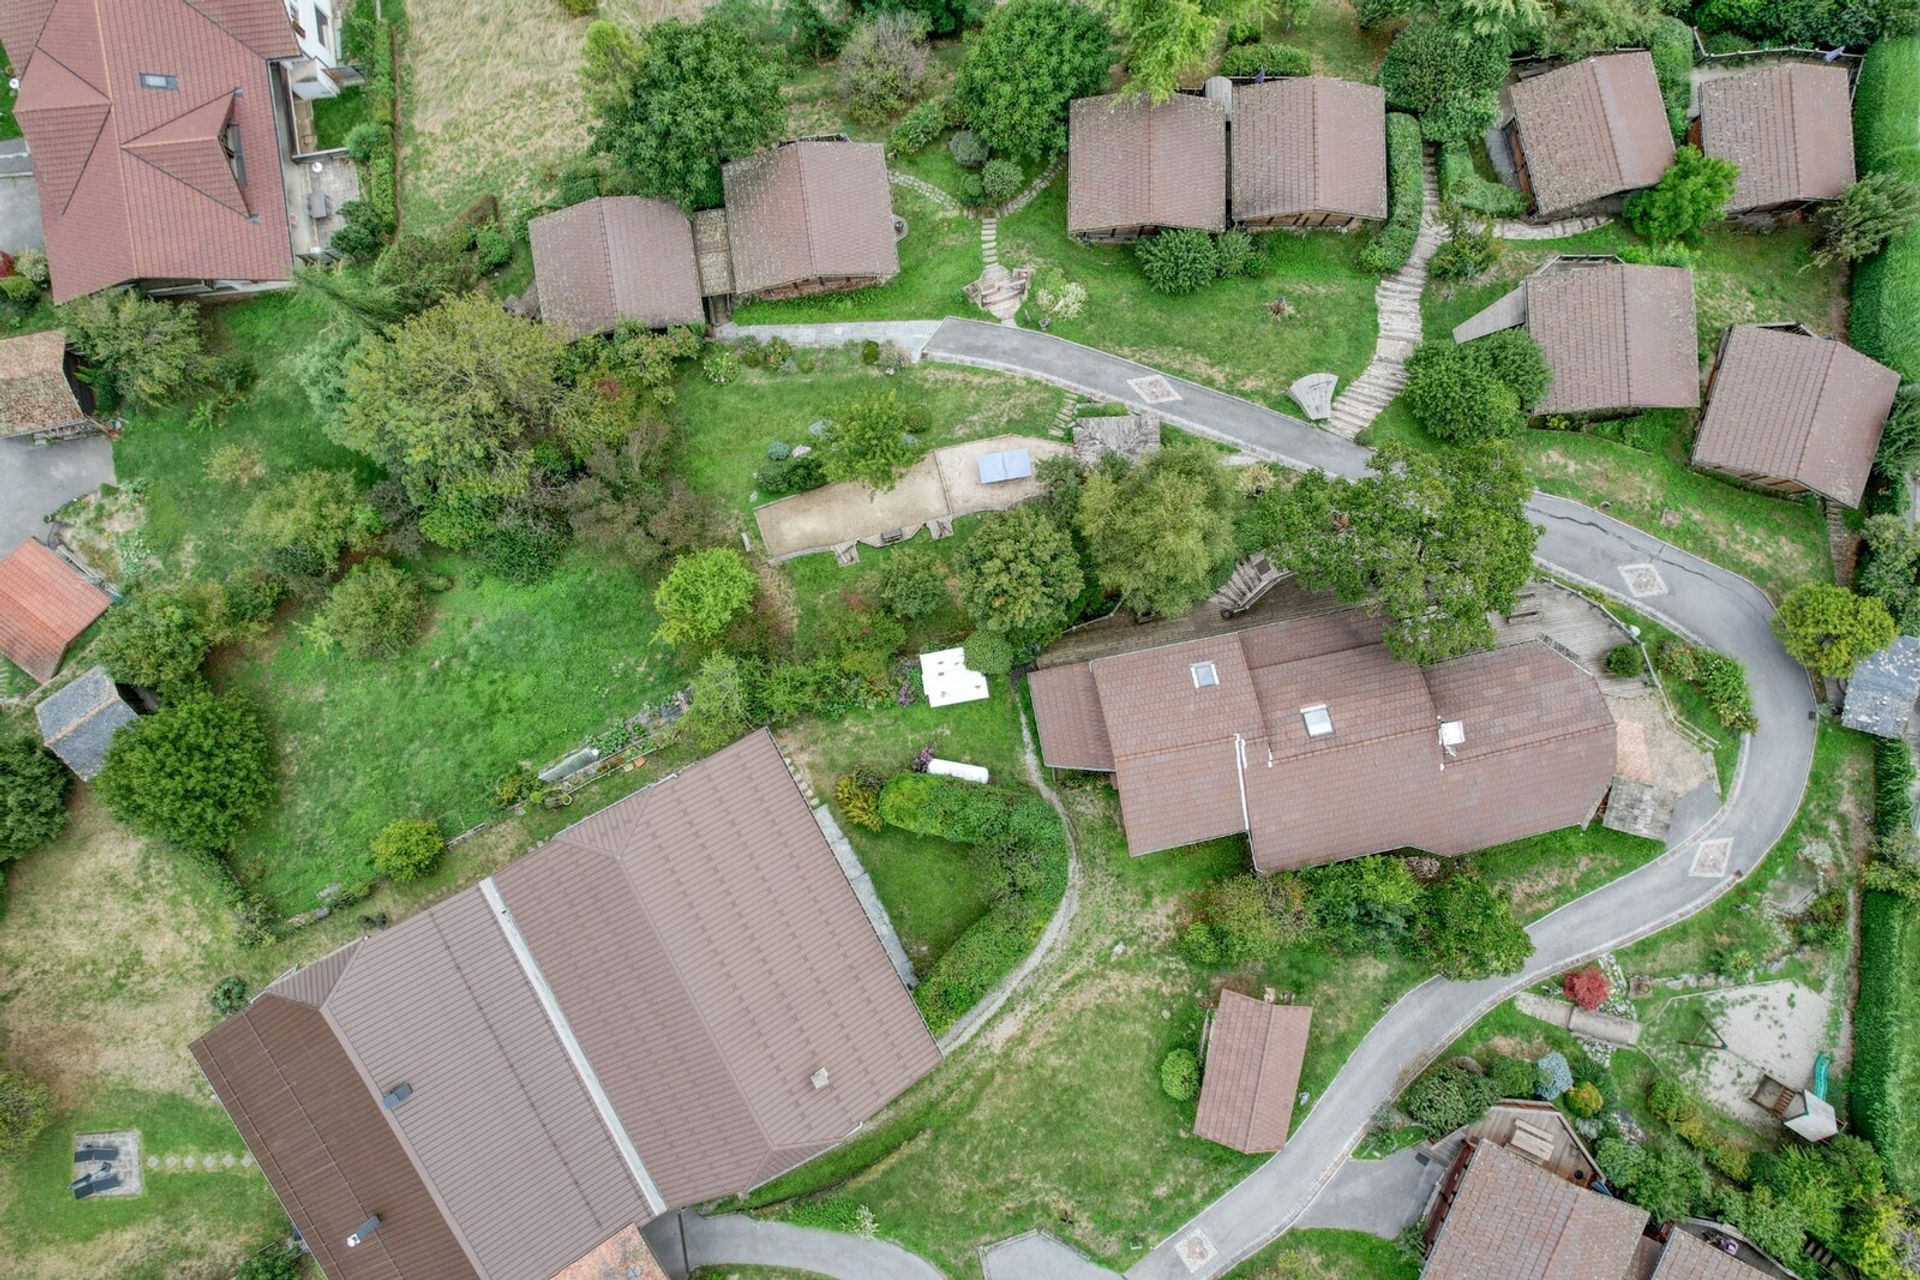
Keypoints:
pixel 1586 987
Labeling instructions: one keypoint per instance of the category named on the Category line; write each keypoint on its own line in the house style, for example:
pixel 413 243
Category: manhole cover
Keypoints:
pixel 1196 1251
pixel 1711 858
pixel 1154 389
pixel 1643 580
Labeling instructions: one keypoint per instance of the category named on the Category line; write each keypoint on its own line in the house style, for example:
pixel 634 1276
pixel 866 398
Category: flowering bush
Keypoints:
pixel 1586 987
pixel 1553 1076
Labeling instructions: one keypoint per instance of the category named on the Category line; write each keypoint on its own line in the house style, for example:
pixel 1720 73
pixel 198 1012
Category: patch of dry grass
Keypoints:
pixel 493 97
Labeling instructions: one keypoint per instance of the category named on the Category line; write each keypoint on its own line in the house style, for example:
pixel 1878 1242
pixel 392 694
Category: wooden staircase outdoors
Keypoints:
pixel 1250 579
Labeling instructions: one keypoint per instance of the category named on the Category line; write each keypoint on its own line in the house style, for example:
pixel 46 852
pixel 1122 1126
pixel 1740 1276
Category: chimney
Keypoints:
pixel 367 1228
pixel 820 1078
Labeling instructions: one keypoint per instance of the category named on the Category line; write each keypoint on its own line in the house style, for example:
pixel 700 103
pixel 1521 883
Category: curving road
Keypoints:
pixel 1716 607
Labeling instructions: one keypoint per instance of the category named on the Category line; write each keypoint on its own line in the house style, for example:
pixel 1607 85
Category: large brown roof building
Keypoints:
pixel 1309 151
pixel 1590 131
pixel 615 258
pixel 1135 166
pixel 1313 740
pixel 1794 412
pixel 1618 336
pixel 154 140
pixel 1788 125
pixel 677 998
pixel 1506 1218
pixel 39 396
pixel 810 216
pixel 1254 1054
pixel 45 603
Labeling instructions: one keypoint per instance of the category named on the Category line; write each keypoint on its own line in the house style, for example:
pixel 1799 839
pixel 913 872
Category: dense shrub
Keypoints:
pixel 1463 187
pixel 1239 254
pixel 1721 680
pixel 912 583
pixel 1467 931
pixel 25 1107
pixel 277 1261
pixel 150 352
pixel 373 612
pixel 702 594
pixel 1671 44
pixel 156 639
pixel 967 150
pixel 1879 1019
pixel 1392 244
pixel 1626 661
pixel 1448 1097
pixel 790 475
pixel 408 848
pixel 1691 193
pixel 1466 392
pixel 1553 1076
pixel 1885 318
pixel 1234 924
pixel 1869 213
pixel 883 65
pixel 1446 77
pixel 1587 987
pixel 858 796
pixel 989 653
pixel 33 796
pixel 229 995
pixel 1000 181
pixel 1468 252
pixel 1806 24
pixel 917 129
pixel 1030 59
pixel 1513 1077
pixel 362 232
pixel 1272 59
pixel 196 772
pixel 1180 1074
pixel 1830 628
pixel 1584 1100
pixel 1178 260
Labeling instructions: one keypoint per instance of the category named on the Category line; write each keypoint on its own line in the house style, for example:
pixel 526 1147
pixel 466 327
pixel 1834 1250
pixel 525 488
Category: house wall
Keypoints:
pixel 1316 218
pixel 1113 235
pixel 820 284
pixel 316 25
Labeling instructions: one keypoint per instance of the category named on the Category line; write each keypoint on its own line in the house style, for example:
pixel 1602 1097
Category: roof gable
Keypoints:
pixel 615 258
pixel 1254 1056
pixel 1789 127
pixel 1309 144
pixel 808 210
pixel 1592 129
pixel 1132 163
pixel 1616 335
pixel 45 604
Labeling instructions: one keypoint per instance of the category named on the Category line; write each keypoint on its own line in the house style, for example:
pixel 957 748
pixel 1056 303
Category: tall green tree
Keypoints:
pixel 452 401
pixel 1691 193
pixel 868 441
pixel 1030 59
pixel 1159 530
pixel 1432 542
pixel 1868 213
pixel 33 796
pixel 1166 39
pixel 702 595
pixel 1019 575
pixel 195 772
pixel 156 639
pixel 700 94
pixel 1466 931
pixel 1446 77
pixel 1511 21
pixel 1830 628
pixel 150 351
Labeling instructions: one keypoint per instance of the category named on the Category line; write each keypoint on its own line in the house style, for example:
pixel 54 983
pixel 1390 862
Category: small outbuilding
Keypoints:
pixel 1811 1117
pixel 1309 151
pixel 1586 134
pixel 1794 412
pixel 45 603
pixel 1254 1054
pixel 615 258
pixel 1882 690
pixel 948 679
pixel 40 398
pixel 1130 436
pixel 1135 166
pixel 1618 336
pixel 78 721
pixel 809 217
pixel 1789 126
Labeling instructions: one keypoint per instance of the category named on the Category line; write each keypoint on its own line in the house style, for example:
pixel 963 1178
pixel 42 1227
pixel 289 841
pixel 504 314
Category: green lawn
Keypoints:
pixel 1331 32
pixel 727 428
pixel 1223 335
pixel 334 117
pixel 1326 1254
pixel 1637 469
pixel 1546 871
pixel 939 257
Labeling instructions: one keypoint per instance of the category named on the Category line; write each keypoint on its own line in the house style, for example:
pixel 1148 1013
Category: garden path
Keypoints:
pixel 1397 300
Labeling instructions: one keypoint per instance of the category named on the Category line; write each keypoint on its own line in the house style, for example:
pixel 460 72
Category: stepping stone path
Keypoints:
pixel 999 291
pixel 1513 230
pixel 200 1164
pixel 923 187
pixel 1398 300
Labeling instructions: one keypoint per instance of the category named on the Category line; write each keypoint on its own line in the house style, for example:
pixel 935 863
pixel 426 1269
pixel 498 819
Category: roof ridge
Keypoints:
pixel 601 207
pixel 1819 400
pixel 1260 1074
pixel 806 208
pixel 244 211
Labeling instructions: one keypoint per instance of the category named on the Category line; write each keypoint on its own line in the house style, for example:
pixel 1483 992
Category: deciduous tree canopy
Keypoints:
pixel 1028 61
pixel 196 772
pixel 1159 530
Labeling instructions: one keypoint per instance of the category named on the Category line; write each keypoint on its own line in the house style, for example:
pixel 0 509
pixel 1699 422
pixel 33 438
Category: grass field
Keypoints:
pixel 1546 871
pixel 1223 334
pixel 1331 32
pixel 1323 1254
pixel 9 127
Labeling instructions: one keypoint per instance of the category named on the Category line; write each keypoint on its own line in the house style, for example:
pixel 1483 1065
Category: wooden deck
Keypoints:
pixel 1531 1129
pixel 1576 626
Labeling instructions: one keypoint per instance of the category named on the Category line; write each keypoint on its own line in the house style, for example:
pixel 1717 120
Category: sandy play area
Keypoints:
pixel 1770 1028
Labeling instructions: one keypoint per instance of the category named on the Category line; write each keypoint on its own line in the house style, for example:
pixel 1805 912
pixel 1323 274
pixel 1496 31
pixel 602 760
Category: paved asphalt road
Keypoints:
pixel 1718 608
pixel 37 480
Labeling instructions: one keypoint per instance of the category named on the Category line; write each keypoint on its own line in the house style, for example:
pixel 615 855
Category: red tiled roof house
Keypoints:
pixel 45 603
pixel 162 133
pixel 1586 134
pixel 809 217
pixel 675 999
pixel 1254 1053
pixel 615 258
pixel 1794 412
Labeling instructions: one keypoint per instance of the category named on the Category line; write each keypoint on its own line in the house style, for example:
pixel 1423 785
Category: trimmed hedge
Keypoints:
pixel 1463 188
pixel 1878 1022
pixel 1885 320
pixel 1274 59
pixel 1671 44
pixel 1024 833
pixel 1392 244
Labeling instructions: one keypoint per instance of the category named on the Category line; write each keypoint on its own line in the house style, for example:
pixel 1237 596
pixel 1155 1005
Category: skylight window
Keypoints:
pixel 1204 676
pixel 1319 723
pixel 156 80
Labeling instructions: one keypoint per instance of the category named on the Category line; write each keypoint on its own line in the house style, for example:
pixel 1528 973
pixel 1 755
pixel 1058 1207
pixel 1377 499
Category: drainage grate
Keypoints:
pixel 1643 580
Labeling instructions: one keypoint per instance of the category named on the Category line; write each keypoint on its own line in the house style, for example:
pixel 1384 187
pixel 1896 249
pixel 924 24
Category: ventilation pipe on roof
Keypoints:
pixel 367 1228
pixel 820 1078
pixel 1452 734
pixel 396 1095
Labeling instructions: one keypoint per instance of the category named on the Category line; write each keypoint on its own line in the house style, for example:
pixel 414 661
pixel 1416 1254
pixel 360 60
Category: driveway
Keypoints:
pixel 37 480
pixel 19 199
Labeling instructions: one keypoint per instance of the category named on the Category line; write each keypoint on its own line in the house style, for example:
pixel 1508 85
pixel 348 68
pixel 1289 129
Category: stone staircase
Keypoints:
pixel 1843 544
pixel 1397 300
pixel 999 291
pixel 1250 579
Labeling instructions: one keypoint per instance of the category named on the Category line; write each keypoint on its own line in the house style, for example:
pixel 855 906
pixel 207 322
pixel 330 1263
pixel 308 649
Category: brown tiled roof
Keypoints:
pixel 134 182
pixel 615 258
pixel 1309 144
pixel 1788 125
pixel 1073 733
pixel 1512 1220
pixel 1794 407
pixel 45 604
pixel 810 210
pixel 1253 1072
pixel 1194 763
pixel 1688 1257
pixel 1617 336
pixel 1592 129
pixel 711 957
pixel 34 392
pixel 696 946
pixel 1131 164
